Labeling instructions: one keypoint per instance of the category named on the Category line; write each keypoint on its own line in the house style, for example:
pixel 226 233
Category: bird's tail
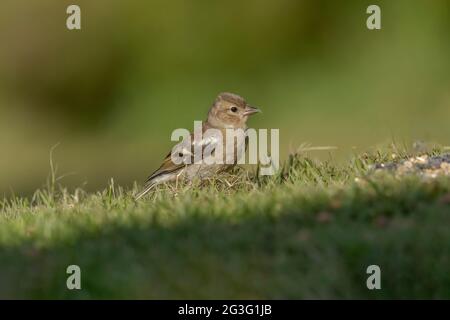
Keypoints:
pixel 144 191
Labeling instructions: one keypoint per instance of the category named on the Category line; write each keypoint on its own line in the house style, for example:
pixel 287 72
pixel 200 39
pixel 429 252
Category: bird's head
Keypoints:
pixel 230 111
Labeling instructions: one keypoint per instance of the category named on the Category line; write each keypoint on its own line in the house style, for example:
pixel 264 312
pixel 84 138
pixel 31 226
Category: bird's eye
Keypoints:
pixel 180 154
pixel 233 109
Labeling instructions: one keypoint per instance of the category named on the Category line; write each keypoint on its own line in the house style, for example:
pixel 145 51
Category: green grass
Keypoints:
pixel 308 232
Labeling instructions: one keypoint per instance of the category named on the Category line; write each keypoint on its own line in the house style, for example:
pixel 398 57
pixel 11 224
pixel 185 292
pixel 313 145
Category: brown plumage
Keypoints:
pixel 229 111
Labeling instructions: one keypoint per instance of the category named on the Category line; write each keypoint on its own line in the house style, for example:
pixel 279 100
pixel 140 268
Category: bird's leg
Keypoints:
pixel 176 180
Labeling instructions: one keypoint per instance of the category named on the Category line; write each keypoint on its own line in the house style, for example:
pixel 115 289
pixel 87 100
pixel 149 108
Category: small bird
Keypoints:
pixel 229 111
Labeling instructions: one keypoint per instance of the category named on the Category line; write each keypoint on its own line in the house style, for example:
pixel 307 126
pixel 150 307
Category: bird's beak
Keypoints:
pixel 249 110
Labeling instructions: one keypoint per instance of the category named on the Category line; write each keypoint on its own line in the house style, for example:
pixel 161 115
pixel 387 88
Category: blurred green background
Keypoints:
pixel 112 93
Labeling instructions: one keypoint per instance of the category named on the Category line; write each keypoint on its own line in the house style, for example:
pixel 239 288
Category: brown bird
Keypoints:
pixel 229 111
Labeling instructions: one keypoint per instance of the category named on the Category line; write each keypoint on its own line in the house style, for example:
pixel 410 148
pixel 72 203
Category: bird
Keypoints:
pixel 228 111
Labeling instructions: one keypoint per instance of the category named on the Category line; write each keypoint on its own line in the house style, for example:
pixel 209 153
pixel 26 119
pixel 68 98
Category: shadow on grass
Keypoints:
pixel 289 255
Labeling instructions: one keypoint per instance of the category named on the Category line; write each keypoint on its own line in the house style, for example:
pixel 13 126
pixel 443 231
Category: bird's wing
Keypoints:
pixel 186 149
